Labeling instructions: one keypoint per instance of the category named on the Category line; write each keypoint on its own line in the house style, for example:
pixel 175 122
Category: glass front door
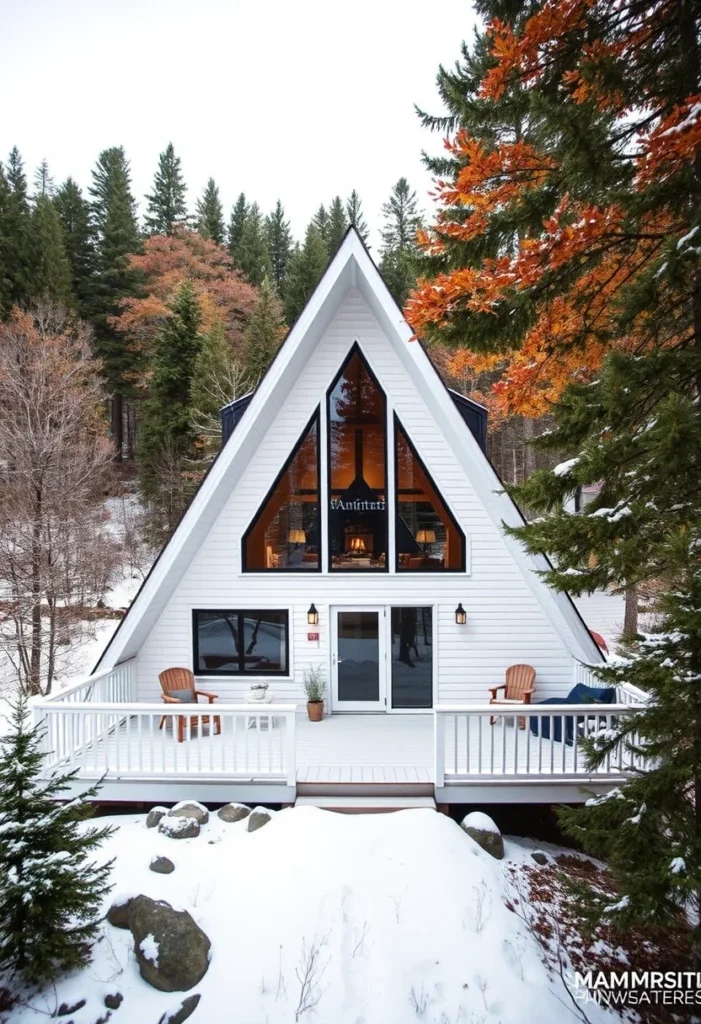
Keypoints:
pixel 358 660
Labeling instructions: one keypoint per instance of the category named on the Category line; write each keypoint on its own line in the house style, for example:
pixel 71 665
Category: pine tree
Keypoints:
pixel 236 225
pixel 74 215
pixel 321 220
pixel 264 332
pixel 399 247
pixel 167 205
pixel 210 214
pixel 167 435
pixel 14 232
pixel 51 270
pixel 279 245
pixel 117 236
pixel 307 264
pixel 51 888
pixel 5 246
pixel 597 201
pixel 43 182
pixel 354 212
pixel 337 225
pixel 253 258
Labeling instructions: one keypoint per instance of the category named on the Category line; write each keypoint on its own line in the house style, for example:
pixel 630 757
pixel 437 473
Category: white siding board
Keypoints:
pixel 506 624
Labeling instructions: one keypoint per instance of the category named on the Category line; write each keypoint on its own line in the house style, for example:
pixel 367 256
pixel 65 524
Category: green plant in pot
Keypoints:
pixel 315 688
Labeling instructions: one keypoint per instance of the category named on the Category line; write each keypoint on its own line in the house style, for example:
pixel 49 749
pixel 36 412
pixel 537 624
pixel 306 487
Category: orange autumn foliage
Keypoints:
pixel 574 270
pixel 167 261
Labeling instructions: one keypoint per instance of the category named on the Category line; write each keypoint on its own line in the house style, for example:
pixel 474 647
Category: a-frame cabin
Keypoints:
pixel 351 526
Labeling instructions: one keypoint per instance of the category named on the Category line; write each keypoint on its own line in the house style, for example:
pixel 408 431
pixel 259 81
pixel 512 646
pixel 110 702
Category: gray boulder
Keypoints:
pixel 188 1006
pixel 118 914
pixel 162 865
pixel 233 812
pixel 190 809
pixel 481 828
pixel 155 815
pixel 171 949
pixel 179 827
pixel 257 818
pixel 539 857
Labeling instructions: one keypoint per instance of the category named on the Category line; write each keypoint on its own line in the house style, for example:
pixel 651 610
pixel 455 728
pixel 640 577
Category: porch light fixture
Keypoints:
pixel 296 537
pixel 312 616
pixel 460 615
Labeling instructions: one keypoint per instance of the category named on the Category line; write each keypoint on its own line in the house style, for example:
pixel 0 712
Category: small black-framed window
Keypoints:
pixel 250 642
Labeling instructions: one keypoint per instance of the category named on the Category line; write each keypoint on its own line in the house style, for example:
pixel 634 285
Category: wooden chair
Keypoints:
pixel 518 688
pixel 174 679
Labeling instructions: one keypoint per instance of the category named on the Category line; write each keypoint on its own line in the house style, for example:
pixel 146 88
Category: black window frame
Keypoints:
pixel 314 421
pixel 398 426
pixel 242 673
pixel 330 568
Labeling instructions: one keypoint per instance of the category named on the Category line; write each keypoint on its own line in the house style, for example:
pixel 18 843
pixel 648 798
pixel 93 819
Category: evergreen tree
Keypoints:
pixel 51 889
pixel 236 225
pixel 321 220
pixel 43 182
pixel 210 214
pixel 74 215
pixel 117 236
pixel 354 212
pixel 337 225
pixel 307 264
pixel 167 433
pixel 14 234
pixel 399 247
pixel 279 245
pixel 51 270
pixel 5 246
pixel 167 205
pixel 253 258
pixel 598 202
pixel 264 332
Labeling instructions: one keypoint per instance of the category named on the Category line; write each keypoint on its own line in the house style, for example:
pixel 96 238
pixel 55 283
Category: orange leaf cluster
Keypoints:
pixel 672 143
pixel 167 261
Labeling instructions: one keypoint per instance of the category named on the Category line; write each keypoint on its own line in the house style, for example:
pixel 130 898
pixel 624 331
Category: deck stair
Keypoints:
pixel 367 804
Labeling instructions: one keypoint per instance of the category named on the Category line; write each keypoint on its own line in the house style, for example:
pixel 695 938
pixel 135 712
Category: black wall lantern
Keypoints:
pixel 460 615
pixel 312 616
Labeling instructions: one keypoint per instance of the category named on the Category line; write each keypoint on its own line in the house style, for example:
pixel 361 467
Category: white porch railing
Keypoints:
pixel 477 741
pixel 110 686
pixel 124 739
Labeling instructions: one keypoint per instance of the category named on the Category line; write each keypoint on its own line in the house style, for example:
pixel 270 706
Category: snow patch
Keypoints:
pixel 563 468
pixel 149 947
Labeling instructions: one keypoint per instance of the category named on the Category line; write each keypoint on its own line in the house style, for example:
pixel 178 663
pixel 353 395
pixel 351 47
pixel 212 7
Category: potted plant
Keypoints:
pixel 315 688
pixel 258 691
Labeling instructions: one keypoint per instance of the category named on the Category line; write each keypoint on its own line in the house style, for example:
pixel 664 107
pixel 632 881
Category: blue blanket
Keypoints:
pixel 579 694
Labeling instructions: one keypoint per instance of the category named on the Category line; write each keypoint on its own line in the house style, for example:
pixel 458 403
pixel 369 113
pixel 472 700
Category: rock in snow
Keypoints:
pixel 113 1000
pixel 162 865
pixel 258 817
pixel 233 812
pixel 171 949
pixel 179 828
pixel 188 1006
pixel 118 914
pixel 480 827
pixel 190 809
pixel 155 815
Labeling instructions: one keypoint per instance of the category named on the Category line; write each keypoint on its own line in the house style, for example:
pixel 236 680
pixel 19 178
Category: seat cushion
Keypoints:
pixel 583 694
pixel 184 696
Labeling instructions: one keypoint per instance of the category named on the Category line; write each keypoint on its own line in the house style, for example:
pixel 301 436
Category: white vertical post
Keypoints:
pixel 439 748
pixel 291 748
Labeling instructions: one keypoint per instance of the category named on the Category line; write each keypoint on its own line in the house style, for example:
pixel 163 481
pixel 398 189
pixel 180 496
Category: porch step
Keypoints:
pixel 366 804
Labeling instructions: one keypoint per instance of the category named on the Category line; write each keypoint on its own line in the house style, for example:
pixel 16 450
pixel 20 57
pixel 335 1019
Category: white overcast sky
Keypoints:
pixel 297 99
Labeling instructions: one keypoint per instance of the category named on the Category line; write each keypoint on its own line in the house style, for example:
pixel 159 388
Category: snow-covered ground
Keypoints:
pixel 406 915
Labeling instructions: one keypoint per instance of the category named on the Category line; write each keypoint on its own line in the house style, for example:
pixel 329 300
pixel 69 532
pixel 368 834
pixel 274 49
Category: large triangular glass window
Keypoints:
pixel 285 534
pixel 427 538
pixel 357 430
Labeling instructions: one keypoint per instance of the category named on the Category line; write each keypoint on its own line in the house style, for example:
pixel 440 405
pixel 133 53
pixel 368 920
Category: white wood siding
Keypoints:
pixel 505 622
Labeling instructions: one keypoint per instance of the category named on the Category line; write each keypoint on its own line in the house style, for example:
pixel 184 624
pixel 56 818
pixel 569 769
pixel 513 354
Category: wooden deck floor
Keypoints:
pixel 365 748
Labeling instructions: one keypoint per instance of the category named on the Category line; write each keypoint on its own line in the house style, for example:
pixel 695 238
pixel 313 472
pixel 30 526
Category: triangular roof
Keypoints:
pixel 351 267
